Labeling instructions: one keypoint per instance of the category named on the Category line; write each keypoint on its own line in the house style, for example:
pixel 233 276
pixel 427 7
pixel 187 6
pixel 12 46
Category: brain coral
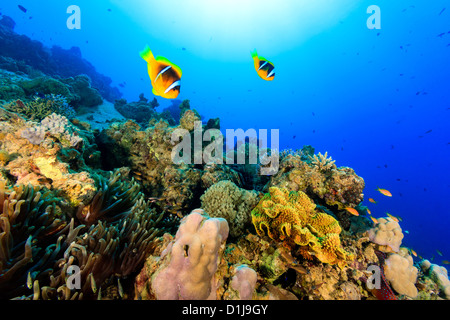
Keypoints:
pixel 388 233
pixel 226 200
pixel 291 217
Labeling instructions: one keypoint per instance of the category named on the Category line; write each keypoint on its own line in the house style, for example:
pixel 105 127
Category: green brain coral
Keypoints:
pixel 291 217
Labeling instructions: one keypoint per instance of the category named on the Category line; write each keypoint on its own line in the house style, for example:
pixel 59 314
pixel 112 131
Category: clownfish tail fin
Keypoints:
pixel 254 54
pixel 147 54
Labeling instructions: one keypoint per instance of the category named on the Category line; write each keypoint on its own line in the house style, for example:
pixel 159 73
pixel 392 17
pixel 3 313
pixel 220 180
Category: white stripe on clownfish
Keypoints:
pixel 263 65
pixel 271 73
pixel 162 71
pixel 173 85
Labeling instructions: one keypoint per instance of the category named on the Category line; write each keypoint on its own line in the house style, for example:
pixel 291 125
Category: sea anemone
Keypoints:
pixel 31 228
pixel 114 200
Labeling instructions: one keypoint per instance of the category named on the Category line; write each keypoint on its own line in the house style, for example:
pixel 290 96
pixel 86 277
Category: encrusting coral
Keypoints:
pixel 226 200
pixel 291 217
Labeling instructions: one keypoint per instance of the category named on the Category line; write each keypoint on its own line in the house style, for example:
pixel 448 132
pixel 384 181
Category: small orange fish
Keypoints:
pixel 413 252
pixel 368 211
pixel 392 217
pixel 352 211
pixel 445 262
pixel 371 200
pixel 384 192
pixel 374 220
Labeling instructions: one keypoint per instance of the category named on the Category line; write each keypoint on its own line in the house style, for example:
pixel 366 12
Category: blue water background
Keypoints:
pixel 367 97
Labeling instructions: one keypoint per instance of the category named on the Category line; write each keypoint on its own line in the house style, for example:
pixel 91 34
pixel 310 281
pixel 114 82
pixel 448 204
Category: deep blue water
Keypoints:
pixel 368 97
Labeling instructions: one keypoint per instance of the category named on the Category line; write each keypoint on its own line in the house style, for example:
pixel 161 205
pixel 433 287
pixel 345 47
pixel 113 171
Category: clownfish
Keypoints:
pixel 264 68
pixel 164 75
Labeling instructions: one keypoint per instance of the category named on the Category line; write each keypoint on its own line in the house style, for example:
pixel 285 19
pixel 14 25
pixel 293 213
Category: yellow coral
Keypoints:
pixel 291 217
pixel 48 168
pixel 4 157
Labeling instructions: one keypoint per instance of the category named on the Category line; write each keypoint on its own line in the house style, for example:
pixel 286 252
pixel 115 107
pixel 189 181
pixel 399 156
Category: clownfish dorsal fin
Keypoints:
pixel 173 65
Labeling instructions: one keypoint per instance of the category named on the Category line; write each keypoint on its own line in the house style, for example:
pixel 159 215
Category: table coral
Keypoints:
pixel 291 217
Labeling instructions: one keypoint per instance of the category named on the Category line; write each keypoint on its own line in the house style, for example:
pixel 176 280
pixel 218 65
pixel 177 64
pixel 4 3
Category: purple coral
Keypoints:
pixel 191 259
pixel 244 281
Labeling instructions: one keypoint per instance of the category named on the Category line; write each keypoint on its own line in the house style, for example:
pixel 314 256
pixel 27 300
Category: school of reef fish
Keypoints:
pixel 111 202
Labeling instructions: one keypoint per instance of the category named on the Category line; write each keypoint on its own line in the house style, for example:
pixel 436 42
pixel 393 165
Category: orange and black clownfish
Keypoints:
pixel 264 68
pixel 164 75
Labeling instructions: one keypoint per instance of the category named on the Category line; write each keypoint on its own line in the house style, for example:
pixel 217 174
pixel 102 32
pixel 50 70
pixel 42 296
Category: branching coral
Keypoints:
pixel 291 217
pixel 322 162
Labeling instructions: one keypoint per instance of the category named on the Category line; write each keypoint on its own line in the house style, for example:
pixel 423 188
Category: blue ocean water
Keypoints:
pixel 377 100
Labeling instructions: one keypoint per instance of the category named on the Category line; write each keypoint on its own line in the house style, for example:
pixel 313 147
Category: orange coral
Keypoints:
pixel 291 217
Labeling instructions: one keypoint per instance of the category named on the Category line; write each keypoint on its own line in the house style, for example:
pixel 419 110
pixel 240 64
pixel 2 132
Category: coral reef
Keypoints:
pixel 226 200
pixel 148 153
pixel 319 178
pixel 100 209
pixel 290 217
